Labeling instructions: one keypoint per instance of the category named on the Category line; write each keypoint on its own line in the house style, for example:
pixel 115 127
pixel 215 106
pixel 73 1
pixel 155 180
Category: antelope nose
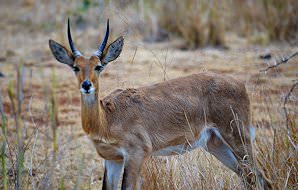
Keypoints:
pixel 86 85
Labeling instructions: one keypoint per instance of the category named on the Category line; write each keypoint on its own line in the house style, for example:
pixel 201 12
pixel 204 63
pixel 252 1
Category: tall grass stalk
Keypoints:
pixel 3 148
pixel 3 163
pixel 54 113
pixel 79 180
pixel 16 104
pixel 61 183
pixel 20 141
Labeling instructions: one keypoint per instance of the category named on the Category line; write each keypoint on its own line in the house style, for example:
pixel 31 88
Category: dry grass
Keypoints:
pixel 202 23
pixel 198 22
pixel 267 20
pixel 195 170
pixel 43 145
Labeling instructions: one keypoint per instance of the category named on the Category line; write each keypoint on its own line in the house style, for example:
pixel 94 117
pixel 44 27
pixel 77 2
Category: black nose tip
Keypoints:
pixel 86 85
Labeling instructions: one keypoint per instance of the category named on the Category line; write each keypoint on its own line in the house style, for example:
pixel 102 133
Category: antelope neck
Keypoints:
pixel 92 115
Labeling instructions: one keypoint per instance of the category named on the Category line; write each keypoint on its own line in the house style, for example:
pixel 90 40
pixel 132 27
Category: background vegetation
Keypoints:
pixel 42 145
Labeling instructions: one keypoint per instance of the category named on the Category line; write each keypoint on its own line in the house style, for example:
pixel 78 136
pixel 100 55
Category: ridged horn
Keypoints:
pixel 101 48
pixel 74 50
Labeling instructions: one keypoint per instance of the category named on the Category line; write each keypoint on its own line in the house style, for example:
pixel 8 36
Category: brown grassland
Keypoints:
pixel 42 143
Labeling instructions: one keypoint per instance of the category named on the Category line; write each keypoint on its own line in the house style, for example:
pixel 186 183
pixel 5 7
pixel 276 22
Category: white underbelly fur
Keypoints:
pixel 182 149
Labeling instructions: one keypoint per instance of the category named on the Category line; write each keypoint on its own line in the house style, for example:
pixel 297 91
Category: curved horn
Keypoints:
pixel 104 42
pixel 74 50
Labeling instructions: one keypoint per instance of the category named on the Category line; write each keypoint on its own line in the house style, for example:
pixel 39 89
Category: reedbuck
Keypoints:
pixel 203 110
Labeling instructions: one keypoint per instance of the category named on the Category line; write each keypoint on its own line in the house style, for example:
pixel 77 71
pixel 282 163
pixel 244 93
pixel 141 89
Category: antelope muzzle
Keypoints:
pixel 87 87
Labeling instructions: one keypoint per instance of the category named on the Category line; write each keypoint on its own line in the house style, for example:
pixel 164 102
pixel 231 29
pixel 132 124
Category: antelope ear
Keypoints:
pixel 113 51
pixel 61 53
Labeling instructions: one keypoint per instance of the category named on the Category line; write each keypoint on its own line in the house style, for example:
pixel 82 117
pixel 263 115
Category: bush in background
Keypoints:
pixel 198 22
pixel 274 19
pixel 201 22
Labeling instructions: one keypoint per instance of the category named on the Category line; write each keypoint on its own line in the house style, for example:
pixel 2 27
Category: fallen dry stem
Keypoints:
pixel 283 60
pixel 287 116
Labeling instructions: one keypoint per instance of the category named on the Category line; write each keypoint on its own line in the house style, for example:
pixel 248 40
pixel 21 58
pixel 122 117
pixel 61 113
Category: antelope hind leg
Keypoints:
pixel 221 151
pixel 240 165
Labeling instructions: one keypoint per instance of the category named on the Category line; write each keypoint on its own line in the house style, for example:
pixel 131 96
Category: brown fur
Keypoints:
pixel 175 111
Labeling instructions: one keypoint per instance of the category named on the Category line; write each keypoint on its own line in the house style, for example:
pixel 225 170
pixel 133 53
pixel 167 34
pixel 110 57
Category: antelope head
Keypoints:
pixel 87 69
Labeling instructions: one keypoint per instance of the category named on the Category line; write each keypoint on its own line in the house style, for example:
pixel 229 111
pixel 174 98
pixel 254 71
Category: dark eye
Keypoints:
pixel 75 69
pixel 99 68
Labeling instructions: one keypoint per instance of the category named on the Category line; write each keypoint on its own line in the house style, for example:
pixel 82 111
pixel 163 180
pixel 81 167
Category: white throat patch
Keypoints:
pixel 89 98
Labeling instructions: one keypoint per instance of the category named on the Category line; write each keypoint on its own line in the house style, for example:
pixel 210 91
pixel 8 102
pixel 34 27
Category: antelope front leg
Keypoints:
pixel 131 175
pixel 111 176
pixel 113 164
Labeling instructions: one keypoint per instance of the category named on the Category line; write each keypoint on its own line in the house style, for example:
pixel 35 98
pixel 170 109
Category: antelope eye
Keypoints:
pixel 99 68
pixel 75 69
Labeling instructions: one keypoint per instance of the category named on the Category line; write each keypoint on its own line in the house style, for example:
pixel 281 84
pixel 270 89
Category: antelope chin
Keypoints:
pixel 88 96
